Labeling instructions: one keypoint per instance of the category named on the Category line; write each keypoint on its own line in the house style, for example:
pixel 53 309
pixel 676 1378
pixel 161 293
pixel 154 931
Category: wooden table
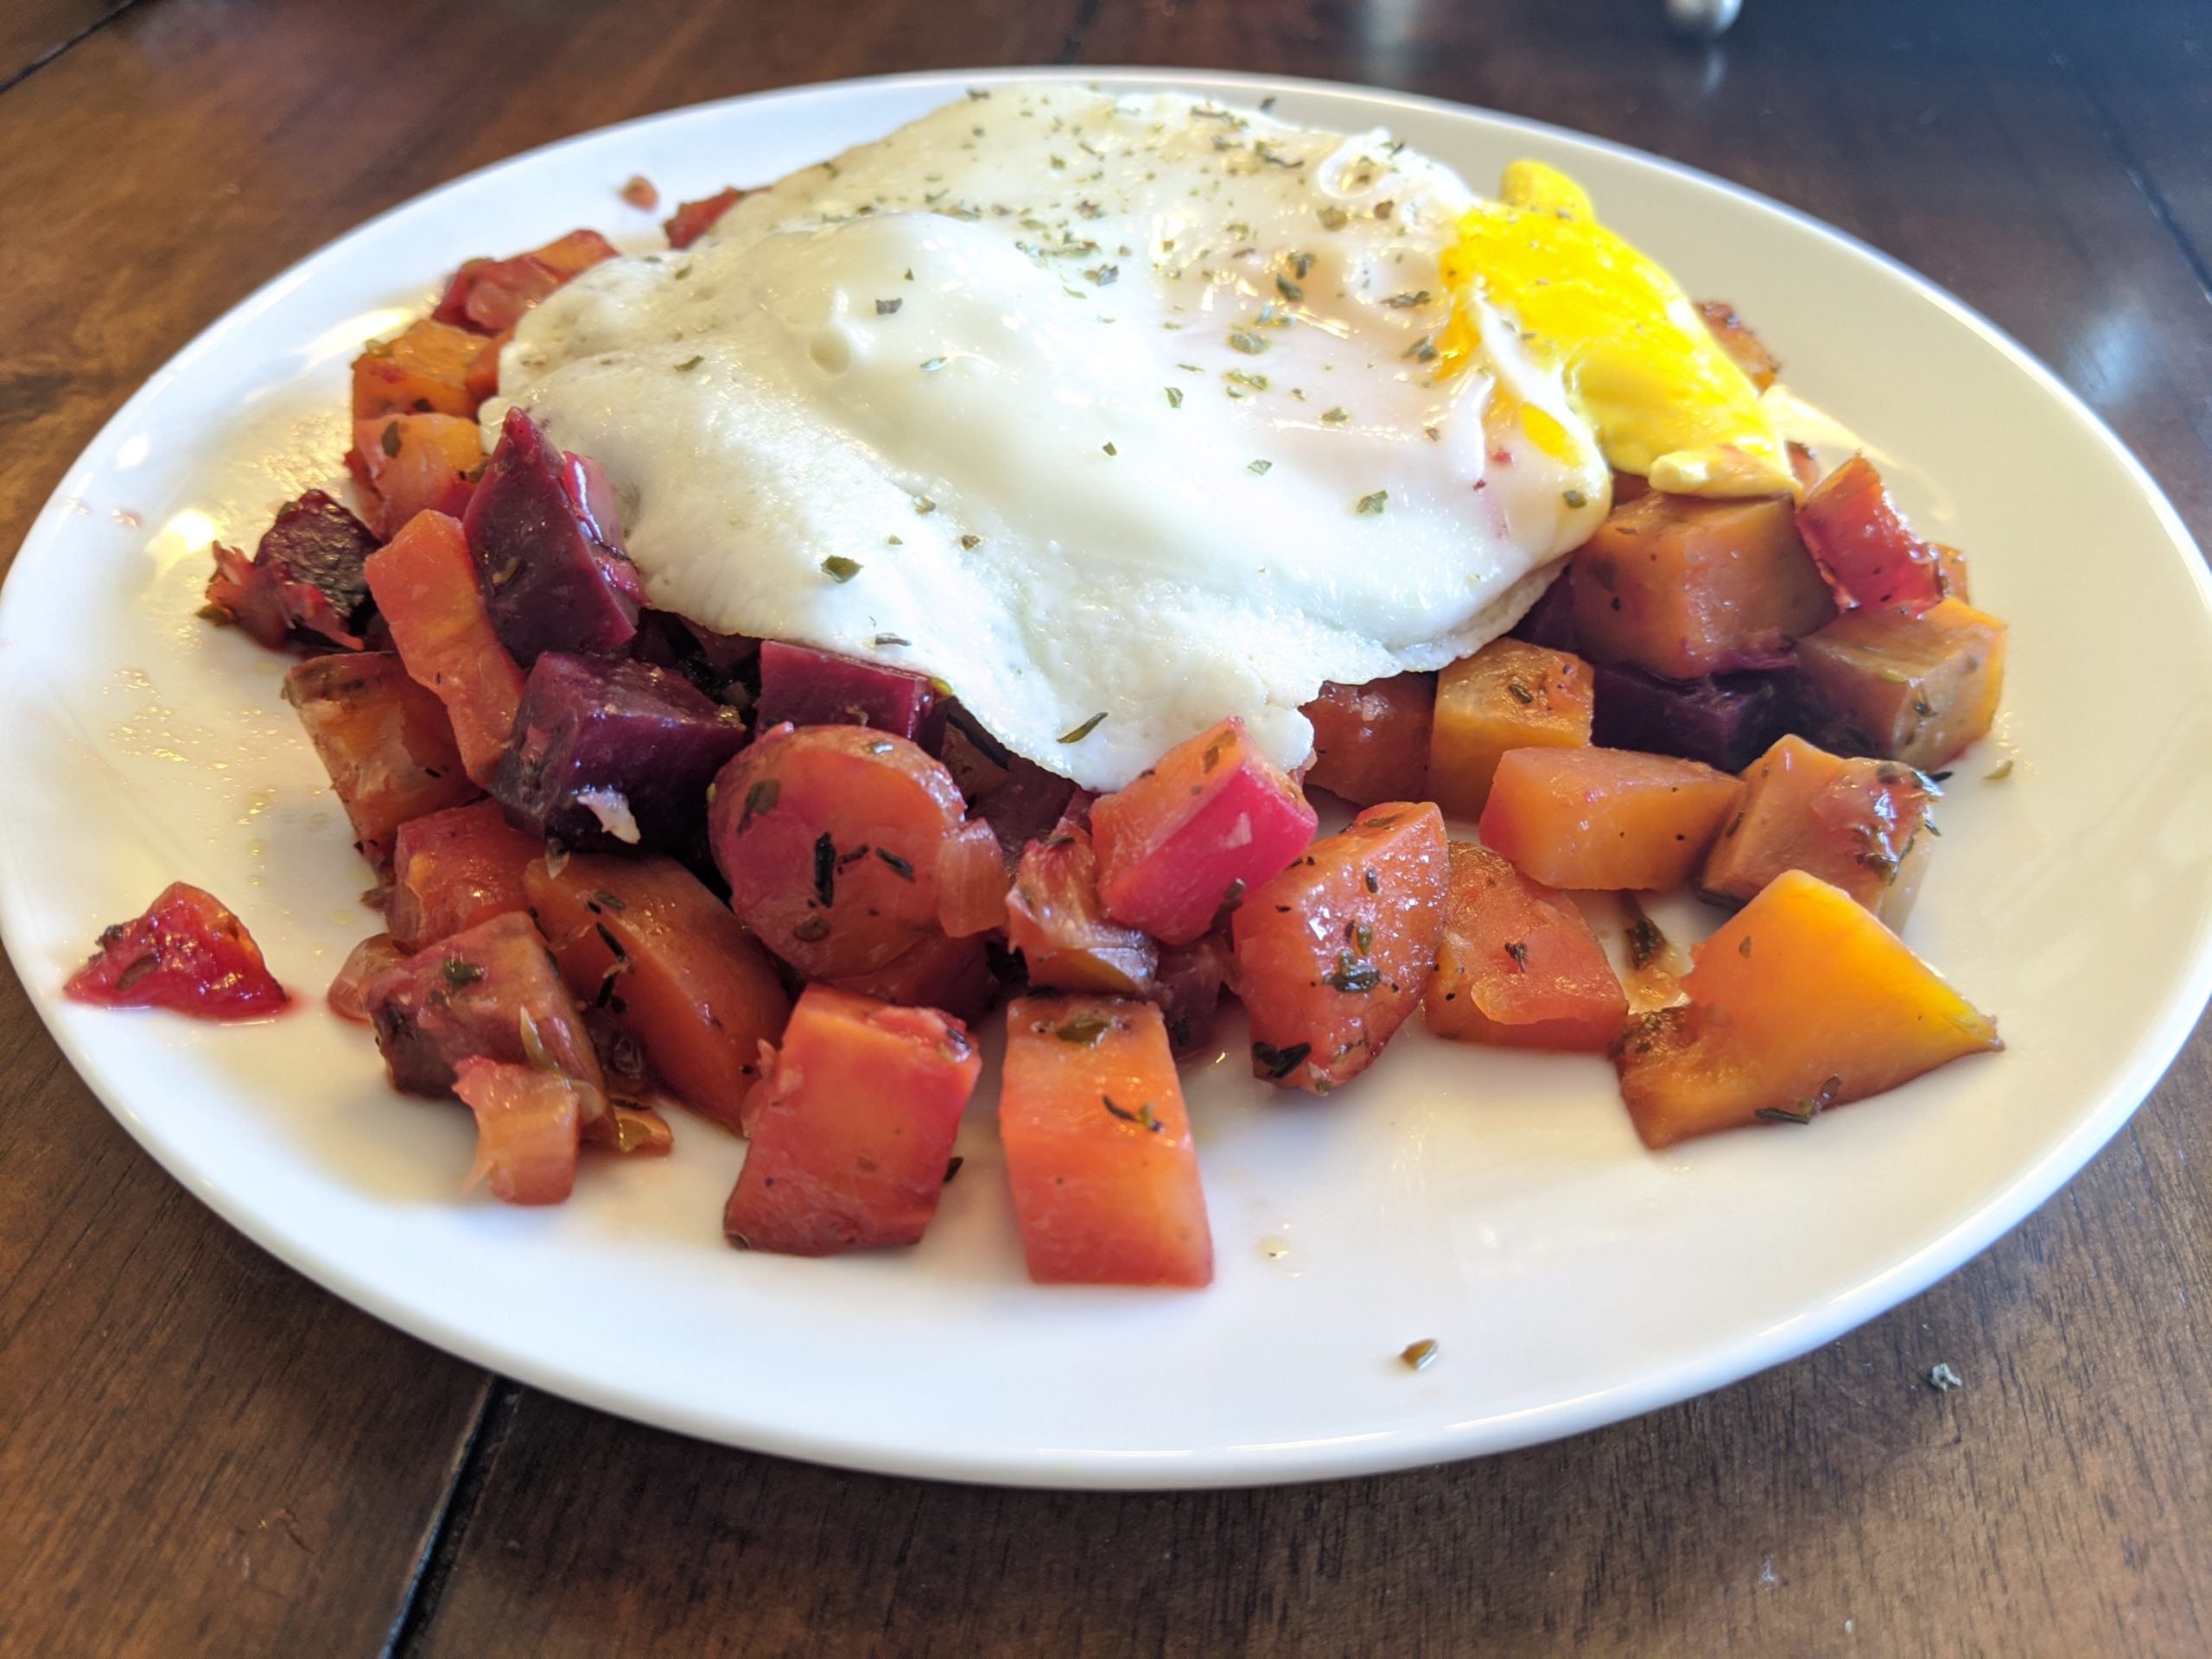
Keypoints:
pixel 201 1452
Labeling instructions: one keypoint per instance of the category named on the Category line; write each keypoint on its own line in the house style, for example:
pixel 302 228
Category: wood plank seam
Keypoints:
pixel 78 39
pixel 2108 130
pixel 449 1528
pixel 1086 13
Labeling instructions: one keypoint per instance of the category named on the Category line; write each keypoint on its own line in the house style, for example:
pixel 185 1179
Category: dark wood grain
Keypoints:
pixel 202 1453
pixel 199 1449
pixel 33 32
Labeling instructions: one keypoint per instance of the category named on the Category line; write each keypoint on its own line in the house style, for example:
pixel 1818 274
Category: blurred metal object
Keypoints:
pixel 1702 19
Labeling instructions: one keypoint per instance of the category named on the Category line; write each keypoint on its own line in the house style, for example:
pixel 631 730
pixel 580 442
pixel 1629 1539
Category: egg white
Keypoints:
pixel 1122 406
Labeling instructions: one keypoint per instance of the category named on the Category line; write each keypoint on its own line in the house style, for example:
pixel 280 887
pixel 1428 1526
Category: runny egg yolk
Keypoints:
pixel 1638 364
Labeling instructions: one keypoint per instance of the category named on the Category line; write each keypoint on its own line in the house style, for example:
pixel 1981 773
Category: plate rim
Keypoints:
pixel 2109 1110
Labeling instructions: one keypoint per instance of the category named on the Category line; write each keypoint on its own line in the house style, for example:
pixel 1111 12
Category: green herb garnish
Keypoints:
pixel 838 568
pixel 1084 730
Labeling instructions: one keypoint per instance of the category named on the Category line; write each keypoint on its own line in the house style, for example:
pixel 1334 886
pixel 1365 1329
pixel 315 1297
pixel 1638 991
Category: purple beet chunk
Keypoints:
pixel 1029 803
pixel 610 754
pixel 1550 620
pixel 812 688
pixel 1726 720
pixel 548 549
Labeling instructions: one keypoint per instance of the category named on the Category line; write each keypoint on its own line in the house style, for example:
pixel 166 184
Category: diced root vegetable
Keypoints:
pixel 527 1124
pixel 1370 742
pixel 1333 954
pixel 1589 818
pixel 305 578
pixel 425 585
pixel 454 869
pixel 418 463
pixel 814 688
pixel 1683 587
pixel 186 952
pixel 1725 720
pixel 1098 1146
pixel 491 294
pixel 644 939
pixel 608 753
pixel 384 740
pixel 1863 545
pixel 1509 694
pixel 852 1130
pixel 1211 821
pixel 971 876
pixel 953 976
pixel 830 838
pixel 548 547
pixel 693 220
pixel 492 993
pixel 1745 348
pixel 1802 1001
pixel 1054 917
pixel 371 955
pixel 1188 990
pixel 1518 966
pixel 423 371
pixel 1860 825
pixel 1915 689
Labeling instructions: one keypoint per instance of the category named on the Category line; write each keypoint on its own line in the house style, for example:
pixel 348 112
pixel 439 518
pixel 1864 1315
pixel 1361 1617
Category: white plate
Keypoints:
pixel 1498 1203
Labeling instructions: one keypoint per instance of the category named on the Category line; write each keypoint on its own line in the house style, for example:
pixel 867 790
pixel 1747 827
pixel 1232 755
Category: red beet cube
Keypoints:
pixel 1212 821
pixel 812 688
pixel 549 548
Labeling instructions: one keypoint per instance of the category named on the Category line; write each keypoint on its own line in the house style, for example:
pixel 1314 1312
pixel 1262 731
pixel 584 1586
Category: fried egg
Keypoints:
pixel 1116 415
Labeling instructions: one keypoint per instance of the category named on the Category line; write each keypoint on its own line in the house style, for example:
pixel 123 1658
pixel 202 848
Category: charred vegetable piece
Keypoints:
pixel 1187 990
pixel 1211 822
pixel 384 740
pixel 423 371
pixel 644 939
pixel 1864 547
pixel 852 1130
pixel 1055 918
pixel 1098 1147
pixel 549 546
pixel 693 220
pixel 953 976
pixel 813 688
pixel 829 837
pixel 304 579
pixel 1509 694
pixel 971 881
pixel 1725 720
pixel 1518 966
pixel 491 294
pixel 528 1130
pixel 1915 689
pixel 369 958
pixel 1370 742
pixel 1860 825
pixel 1587 818
pixel 453 869
pixel 492 992
pixel 1683 587
pixel 425 585
pixel 1801 1002
pixel 1333 954
pixel 416 463
pixel 1749 352
pixel 187 953
pixel 608 754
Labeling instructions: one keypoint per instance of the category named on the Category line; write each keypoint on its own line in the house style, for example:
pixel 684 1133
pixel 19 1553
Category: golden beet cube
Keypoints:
pixel 1509 694
pixel 1915 689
